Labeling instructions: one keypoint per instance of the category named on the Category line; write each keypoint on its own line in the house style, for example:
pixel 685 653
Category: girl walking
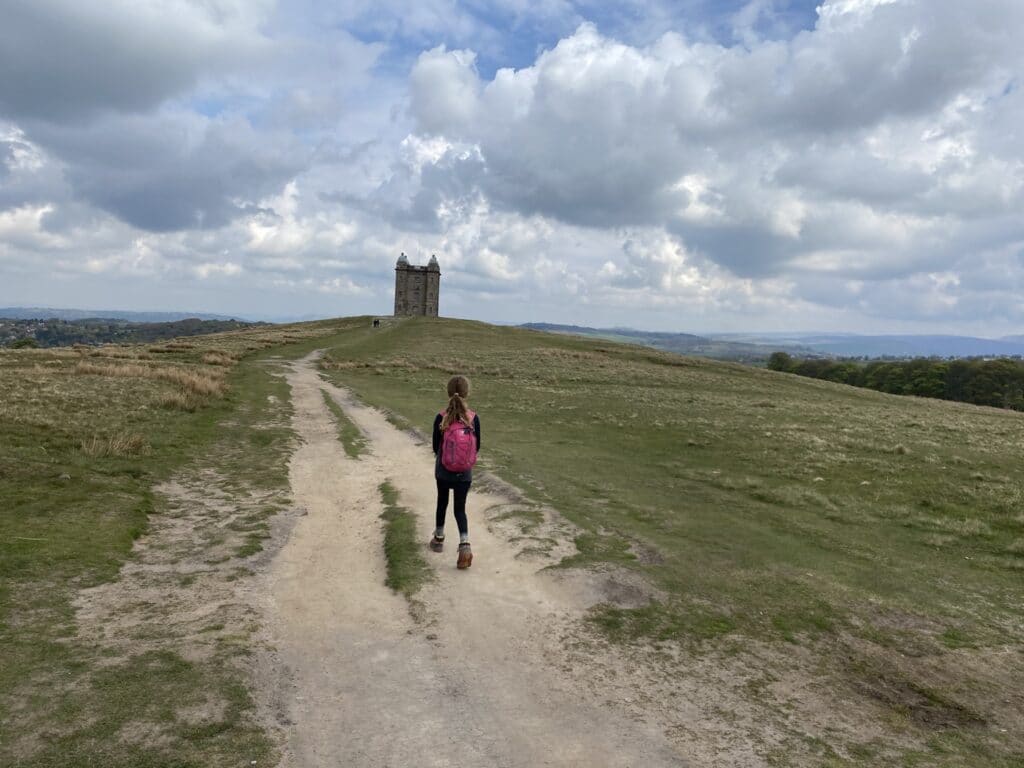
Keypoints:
pixel 456 443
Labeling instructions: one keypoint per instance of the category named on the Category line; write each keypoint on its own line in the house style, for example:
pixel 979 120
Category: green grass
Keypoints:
pixel 407 569
pixel 783 510
pixel 348 433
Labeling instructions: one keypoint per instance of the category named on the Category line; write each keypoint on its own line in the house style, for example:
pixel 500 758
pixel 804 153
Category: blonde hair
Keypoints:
pixel 458 391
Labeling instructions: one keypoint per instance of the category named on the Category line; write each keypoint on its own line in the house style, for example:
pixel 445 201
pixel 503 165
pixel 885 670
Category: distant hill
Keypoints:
pixel 62 333
pixel 889 345
pixel 756 347
pixel 681 343
pixel 48 313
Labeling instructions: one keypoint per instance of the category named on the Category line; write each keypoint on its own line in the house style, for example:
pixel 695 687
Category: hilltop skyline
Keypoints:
pixel 847 165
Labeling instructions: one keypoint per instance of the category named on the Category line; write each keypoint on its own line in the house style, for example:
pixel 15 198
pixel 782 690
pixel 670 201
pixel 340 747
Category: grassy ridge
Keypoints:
pixel 765 506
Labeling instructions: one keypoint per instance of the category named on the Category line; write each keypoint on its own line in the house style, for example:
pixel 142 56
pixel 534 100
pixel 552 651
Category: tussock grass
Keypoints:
pixel 124 370
pixel 122 446
pixel 217 357
pixel 117 352
pixel 180 401
pixel 201 383
pixel 193 382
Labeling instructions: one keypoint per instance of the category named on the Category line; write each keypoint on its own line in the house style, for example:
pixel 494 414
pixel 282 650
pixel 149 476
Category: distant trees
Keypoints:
pixel 61 333
pixel 779 361
pixel 999 382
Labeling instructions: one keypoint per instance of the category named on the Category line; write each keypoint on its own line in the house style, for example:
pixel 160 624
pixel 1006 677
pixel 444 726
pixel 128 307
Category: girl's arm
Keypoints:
pixel 437 433
pixel 476 429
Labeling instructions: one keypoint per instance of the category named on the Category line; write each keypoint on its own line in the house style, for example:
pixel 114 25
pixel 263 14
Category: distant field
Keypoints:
pixel 880 538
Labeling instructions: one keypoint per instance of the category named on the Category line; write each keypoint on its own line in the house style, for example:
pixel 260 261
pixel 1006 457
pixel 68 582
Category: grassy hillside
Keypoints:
pixel 873 541
pixel 884 536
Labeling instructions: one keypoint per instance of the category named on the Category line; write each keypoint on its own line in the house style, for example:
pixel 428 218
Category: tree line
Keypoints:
pixel 998 382
pixel 61 333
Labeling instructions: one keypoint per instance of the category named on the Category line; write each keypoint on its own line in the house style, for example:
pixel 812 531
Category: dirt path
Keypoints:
pixel 482 679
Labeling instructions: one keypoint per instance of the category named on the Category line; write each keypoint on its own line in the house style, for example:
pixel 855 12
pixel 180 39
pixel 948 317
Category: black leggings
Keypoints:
pixel 461 491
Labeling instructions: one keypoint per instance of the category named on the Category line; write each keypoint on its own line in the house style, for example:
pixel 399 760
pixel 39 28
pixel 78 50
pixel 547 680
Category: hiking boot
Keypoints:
pixel 465 556
pixel 436 544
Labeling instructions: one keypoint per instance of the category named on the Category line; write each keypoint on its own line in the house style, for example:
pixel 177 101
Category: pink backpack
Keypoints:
pixel 458 446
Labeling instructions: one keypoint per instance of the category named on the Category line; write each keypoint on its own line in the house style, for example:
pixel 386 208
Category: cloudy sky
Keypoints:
pixel 694 165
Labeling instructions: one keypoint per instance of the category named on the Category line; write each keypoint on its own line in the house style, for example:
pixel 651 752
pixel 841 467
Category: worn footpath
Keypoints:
pixel 479 674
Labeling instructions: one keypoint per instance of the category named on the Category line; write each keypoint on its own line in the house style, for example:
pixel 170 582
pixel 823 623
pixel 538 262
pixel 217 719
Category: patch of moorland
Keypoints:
pixel 877 539
pixel 86 436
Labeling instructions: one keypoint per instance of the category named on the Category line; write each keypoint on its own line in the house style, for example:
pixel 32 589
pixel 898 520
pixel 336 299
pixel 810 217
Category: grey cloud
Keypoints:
pixel 170 173
pixel 62 58
pixel 846 172
pixel 903 60
pixel 747 250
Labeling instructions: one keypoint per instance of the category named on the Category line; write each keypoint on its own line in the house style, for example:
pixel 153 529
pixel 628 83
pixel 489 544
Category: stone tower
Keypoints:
pixel 417 288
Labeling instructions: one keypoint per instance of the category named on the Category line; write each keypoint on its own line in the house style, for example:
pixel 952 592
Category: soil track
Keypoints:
pixel 480 676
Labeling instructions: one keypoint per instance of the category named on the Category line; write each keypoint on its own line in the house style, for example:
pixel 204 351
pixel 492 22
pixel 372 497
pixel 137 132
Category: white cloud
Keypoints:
pixel 862 147
pixel 24 226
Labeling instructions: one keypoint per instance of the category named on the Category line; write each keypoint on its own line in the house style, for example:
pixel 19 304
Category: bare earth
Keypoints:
pixel 476 675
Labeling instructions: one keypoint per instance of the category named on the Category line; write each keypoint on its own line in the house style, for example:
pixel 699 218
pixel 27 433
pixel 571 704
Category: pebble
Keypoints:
pixel 64 476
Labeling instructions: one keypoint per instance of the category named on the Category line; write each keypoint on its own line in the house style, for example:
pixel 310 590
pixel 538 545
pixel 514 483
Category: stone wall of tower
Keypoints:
pixel 401 286
pixel 417 289
pixel 432 294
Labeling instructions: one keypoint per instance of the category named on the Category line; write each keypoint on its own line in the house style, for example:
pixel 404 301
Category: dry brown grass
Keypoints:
pixel 179 401
pixel 118 352
pixel 192 381
pixel 218 357
pixel 121 446
pixel 208 384
pixel 123 370
pixel 329 363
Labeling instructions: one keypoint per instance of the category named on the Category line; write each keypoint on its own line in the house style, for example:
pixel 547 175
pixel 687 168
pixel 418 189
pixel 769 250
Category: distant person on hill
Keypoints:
pixel 456 443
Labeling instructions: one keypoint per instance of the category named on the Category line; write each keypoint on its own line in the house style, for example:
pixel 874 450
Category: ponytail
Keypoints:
pixel 458 391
